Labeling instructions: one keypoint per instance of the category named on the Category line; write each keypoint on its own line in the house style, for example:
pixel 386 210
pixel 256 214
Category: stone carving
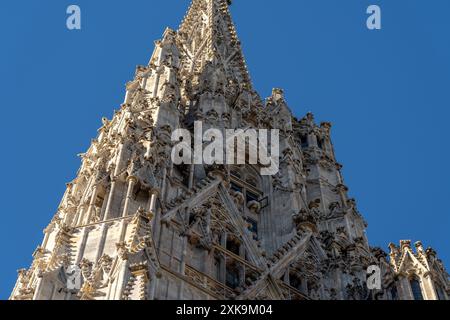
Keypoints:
pixel 133 222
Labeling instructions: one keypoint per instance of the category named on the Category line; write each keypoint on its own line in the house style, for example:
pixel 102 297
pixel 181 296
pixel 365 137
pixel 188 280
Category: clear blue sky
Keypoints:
pixel 386 92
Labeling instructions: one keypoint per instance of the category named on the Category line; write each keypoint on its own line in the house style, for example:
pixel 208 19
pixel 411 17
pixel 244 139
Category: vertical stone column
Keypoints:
pixel 92 204
pixel 191 176
pixel 223 259
pixel 242 270
pixel 37 290
pixel 146 73
pixel 131 183
pixel 429 292
pixel 183 256
pixel 82 245
pixel 156 224
pixel 123 224
pixel 154 193
pixel 153 285
pixel 127 96
pixel 164 185
pixel 183 266
pixel 159 234
pixel 101 244
pixel 405 289
pixel 46 236
pixel 79 218
pixel 156 84
pixel 108 213
pixel 122 276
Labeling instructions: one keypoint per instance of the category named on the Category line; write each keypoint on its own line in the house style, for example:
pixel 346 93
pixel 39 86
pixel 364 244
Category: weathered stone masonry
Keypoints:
pixel 140 227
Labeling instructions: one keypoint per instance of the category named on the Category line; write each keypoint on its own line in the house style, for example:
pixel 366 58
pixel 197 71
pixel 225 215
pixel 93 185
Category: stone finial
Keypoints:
pixel 276 97
pixel 393 248
pixel 419 247
pixel 405 244
pixel 310 116
pixel 326 126
pixel 277 92
pixel 431 252
pixel 22 272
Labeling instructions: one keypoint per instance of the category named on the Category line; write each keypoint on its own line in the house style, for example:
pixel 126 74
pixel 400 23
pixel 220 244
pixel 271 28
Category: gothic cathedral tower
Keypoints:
pixel 136 226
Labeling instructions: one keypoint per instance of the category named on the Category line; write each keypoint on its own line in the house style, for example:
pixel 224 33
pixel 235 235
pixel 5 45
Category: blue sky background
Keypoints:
pixel 386 92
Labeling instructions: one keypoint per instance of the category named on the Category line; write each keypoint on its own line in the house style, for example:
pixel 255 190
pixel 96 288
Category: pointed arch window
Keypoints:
pixel 416 289
pixel 233 245
pixel 304 141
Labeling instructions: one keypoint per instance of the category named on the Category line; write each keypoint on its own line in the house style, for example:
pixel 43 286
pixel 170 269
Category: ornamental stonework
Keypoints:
pixel 137 227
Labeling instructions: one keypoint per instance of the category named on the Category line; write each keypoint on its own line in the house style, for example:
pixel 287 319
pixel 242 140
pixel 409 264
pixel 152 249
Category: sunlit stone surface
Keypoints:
pixel 140 227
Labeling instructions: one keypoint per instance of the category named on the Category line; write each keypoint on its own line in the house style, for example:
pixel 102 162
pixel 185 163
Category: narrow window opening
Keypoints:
pixel 319 143
pixel 304 141
pixel 233 246
pixel 416 289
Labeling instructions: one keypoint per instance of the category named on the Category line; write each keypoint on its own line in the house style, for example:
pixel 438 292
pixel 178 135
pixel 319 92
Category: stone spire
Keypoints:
pixel 208 37
pixel 134 225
